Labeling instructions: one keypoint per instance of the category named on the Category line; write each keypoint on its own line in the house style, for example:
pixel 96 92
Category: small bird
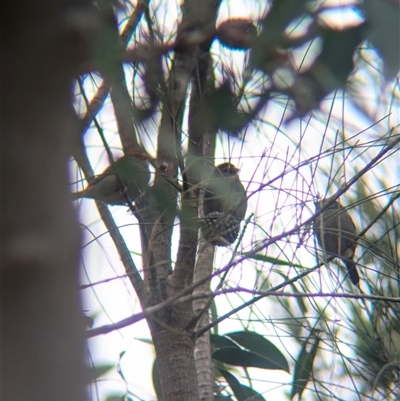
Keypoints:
pixel 224 205
pixel 134 176
pixel 336 235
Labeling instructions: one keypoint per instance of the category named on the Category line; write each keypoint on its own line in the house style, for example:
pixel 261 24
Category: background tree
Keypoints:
pixel 199 92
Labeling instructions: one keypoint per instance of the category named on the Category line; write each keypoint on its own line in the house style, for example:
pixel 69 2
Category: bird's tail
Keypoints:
pixel 353 273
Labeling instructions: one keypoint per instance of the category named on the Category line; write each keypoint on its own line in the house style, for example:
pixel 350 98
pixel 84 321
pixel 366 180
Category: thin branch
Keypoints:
pixel 94 106
pixel 124 253
pixel 99 98
pixel 261 294
pixel 265 244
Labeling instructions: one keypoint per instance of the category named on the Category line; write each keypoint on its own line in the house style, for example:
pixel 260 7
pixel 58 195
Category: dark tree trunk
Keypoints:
pixel 42 333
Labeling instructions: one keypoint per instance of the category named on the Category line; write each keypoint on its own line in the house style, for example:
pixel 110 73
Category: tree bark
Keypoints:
pixel 202 351
pixel 42 339
pixel 172 330
pixel 176 364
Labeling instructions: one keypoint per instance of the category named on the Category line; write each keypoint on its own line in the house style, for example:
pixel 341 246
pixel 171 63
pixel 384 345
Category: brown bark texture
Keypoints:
pixel 173 329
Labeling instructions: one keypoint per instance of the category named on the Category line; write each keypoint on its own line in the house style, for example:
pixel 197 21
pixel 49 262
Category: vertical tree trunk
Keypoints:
pixel 172 330
pixel 202 351
pixel 42 338
pixel 176 365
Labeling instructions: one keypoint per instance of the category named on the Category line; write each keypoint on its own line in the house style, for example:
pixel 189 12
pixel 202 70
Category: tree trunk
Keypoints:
pixel 176 364
pixel 42 339
pixel 202 351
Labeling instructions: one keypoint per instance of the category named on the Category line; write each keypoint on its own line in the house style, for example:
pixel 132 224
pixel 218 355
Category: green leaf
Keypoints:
pixel 221 397
pixel 281 14
pixel 89 321
pixel 119 370
pixel 272 260
pixel 214 315
pixel 224 103
pixel 99 370
pixel 115 397
pixel 221 341
pixel 259 345
pixel 383 32
pixel 338 51
pixel 304 365
pixel 234 384
pixel 241 392
pixel 251 394
pixel 145 340
pixel 238 357
pixel 299 300
pixel 156 380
